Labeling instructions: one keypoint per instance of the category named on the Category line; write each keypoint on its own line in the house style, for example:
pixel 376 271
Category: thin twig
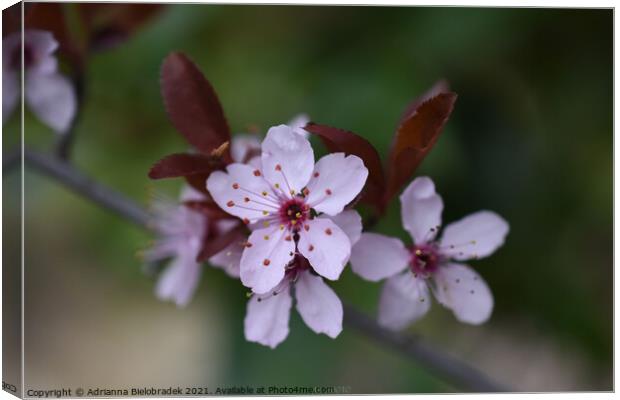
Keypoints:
pixel 83 185
pixel 452 370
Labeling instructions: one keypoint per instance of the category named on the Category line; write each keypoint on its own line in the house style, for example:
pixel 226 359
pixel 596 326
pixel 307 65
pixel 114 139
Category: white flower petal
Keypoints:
pixel 318 305
pixel 335 182
pixel 244 145
pixel 404 299
pixel 266 321
pixel 262 264
pixel 421 209
pixel 52 99
pixel 476 236
pixel 188 193
pixel 41 45
pixel 255 162
pixel 461 289
pixel 287 159
pixel 179 281
pixel 242 192
pixel 298 122
pixel 229 259
pixel 375 257
pixel 326 247
pixel 351 224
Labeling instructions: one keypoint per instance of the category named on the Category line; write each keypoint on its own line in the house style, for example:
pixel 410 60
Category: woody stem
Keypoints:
pixel 454 371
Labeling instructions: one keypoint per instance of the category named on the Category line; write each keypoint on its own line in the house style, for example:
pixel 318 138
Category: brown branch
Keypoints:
pixel 66 174
pixel 452 370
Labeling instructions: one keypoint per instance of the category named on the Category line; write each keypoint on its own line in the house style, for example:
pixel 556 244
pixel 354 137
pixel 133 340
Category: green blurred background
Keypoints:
pixel 531 138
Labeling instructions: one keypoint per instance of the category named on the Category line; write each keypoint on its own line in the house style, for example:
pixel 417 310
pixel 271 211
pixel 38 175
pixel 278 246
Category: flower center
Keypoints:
pixel 293 213
pixel 424 259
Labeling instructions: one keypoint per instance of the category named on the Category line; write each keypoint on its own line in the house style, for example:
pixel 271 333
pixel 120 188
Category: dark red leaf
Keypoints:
pixel 441 86
pixel 11 19
pixel 339 140
pixel 192 104
pixel 181 164
pixel 415 137
pixel 213 244
pixel 108 25
pixel 51 17
pixel 198 182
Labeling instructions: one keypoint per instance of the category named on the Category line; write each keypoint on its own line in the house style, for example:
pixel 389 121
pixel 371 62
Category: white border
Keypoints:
pixel 457 3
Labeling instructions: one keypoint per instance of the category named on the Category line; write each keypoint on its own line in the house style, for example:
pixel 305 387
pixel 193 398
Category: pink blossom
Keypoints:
pixel 429 265
pixel 48 94
pixel 286 203
pixel 181 231
pixel 267 316
pixel 245 148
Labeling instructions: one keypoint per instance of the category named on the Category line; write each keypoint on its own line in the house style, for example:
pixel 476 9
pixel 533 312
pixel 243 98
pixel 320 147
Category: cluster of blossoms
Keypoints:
pixel 48 94
pixel 37 35
pixel 284 225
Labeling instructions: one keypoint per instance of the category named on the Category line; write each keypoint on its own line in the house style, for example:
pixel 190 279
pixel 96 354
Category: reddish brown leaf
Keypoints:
pixel 415 137
pixel 108 25
pixel 11 19
pixel 51 17
pixel 339 140
pixel 198 182
pixel 181 164
pixel 441 86
pixel 213 244
pixel 192 104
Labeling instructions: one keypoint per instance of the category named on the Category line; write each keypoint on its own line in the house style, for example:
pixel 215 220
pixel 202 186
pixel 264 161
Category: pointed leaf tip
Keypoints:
pixel 340 140
pixel 416 135
pixel 192 104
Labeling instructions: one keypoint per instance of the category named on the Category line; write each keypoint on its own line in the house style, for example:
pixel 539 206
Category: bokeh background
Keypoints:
pixel 531 138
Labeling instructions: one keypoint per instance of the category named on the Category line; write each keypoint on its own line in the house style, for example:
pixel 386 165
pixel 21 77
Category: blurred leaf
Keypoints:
pixel 51 17
pixel 415 137
pixel 192 104
pixel 198 181
pixel 339 140
pixel 181 164
pixel 108 25
pixel 11 17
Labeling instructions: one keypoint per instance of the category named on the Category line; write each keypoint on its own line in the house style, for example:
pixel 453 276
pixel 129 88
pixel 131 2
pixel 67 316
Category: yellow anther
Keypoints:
pixel 281 227
pixel 293 222
pixel 265 212
pixel 266 224
pixel 266 237
pixel 264 193
pixel 298 215
pixel 277 185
